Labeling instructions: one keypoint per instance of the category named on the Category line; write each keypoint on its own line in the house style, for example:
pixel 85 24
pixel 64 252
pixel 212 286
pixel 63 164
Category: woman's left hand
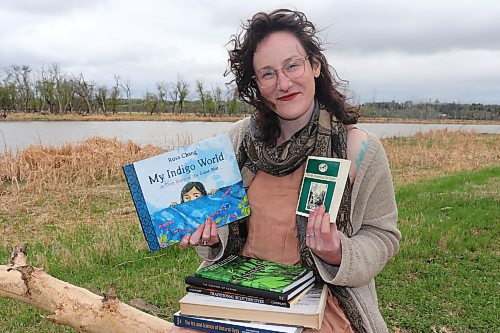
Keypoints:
pixel 322 236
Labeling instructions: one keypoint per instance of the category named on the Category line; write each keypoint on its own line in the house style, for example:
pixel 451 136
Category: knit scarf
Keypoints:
pixel 322 136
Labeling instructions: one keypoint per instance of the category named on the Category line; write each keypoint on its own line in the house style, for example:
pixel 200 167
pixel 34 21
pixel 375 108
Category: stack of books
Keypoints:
pixel 235 293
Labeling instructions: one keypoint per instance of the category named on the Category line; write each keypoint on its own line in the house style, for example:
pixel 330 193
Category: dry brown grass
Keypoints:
pixel 437 153
pixel 39 168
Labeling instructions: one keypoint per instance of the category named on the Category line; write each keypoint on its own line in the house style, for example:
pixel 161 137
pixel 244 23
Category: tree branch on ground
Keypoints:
pixel 70 305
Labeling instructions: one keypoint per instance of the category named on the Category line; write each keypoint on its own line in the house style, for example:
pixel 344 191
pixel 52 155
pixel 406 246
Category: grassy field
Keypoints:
pixel 71 204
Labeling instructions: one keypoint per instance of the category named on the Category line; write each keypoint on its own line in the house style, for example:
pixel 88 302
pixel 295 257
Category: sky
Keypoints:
pixel 387 50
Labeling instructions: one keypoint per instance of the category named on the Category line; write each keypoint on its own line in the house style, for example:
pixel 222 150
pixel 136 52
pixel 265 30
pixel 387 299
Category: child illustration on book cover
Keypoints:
pixel 192 191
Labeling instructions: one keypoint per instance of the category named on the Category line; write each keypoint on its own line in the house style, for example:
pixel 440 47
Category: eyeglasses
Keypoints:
pixel 294 69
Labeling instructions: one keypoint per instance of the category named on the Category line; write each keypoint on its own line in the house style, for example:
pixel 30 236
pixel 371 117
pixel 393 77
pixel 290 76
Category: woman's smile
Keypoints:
pixel 288 97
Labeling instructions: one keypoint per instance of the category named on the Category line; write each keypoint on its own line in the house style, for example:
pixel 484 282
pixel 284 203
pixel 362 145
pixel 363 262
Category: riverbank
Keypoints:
pixel 141 116
pixel 72 205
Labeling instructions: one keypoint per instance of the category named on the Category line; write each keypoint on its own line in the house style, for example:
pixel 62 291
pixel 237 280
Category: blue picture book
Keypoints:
pixel 176 191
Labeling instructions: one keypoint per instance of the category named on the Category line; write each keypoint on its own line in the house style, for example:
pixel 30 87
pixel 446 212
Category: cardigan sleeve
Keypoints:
pixel 375 238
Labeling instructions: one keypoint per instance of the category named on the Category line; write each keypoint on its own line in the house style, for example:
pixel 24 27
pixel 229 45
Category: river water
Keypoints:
pixel 16 136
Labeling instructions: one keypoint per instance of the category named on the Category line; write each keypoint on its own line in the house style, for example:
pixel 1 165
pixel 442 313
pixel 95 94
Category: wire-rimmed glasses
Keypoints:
pixel 293 69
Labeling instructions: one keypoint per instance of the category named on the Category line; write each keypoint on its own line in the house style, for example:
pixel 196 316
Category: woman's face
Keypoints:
pixel 191 195
pixel 293 99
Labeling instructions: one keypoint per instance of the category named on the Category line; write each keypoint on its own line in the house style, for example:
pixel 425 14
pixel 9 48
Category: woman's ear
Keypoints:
pixel 316 67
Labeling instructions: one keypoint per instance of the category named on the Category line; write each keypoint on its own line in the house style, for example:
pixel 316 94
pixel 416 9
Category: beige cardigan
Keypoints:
pixel 375 237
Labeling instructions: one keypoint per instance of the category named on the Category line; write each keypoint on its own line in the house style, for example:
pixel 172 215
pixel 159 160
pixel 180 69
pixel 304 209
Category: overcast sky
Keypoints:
pixel 402 50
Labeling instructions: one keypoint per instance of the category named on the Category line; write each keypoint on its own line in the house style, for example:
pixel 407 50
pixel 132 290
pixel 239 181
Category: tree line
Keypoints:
pixel 52 91
pixel 430 110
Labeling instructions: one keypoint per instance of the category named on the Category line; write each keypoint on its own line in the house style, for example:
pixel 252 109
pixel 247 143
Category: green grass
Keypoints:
pixel 444 279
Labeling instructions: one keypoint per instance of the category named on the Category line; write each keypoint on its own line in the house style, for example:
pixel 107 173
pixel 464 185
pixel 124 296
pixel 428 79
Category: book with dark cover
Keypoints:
pixel 245 275
pixel 247 298
pixel 176 191
pixel 308 311
pixel 223 326
pixel 323 183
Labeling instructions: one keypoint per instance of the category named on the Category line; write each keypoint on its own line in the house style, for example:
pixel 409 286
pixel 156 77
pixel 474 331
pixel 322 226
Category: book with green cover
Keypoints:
pixel 256 273
pixel 323 183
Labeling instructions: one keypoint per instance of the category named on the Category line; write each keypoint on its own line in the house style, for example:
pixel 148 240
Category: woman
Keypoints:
pixel 280 69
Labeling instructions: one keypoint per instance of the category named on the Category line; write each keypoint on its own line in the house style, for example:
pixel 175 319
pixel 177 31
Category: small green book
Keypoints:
pixel 256 273
pixel 323 183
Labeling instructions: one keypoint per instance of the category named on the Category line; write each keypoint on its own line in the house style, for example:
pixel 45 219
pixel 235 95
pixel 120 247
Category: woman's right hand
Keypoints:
pixel 206 234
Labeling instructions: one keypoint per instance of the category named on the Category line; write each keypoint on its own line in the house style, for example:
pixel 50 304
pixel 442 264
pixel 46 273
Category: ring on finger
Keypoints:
pixel 204 243
pixel 310 235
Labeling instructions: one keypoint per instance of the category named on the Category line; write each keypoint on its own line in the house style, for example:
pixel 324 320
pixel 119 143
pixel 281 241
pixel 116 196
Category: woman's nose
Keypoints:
pixel 283 83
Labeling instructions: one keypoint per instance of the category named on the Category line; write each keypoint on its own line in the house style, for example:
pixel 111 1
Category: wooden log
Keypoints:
pixel 71 305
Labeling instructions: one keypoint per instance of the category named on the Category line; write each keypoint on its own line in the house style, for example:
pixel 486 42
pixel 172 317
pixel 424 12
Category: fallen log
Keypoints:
pixel 71 305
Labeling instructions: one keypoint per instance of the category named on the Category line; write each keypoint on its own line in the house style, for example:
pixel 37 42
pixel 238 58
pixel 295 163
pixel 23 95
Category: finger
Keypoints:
pixel 326 227
pixel 207 229
pixel 310 222
pixel 184 243
pixel 214 233
pixel 324 239
pixel 196 236
pixel 320 213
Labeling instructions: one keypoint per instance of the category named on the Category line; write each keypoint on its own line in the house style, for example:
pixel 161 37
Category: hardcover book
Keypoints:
pixel 223 326
pixel 176 191
pixel 323 183
pixel 199 282
pixel 256 274
pixel 308 311
pixel 250 298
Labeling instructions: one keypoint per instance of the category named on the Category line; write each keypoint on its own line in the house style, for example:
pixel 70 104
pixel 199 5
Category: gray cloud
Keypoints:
pixel 400 50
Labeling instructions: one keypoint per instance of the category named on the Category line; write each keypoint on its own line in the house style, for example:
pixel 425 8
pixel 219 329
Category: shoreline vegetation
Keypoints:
pixel 181 117
pixel 73 207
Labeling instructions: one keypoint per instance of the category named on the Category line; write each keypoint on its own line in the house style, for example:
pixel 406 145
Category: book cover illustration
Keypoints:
pixel 175 191
pixel 256 273
pixel 226 287
pixel 323 183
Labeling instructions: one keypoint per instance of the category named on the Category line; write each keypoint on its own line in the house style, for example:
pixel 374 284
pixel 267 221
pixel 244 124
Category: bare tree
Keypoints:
pixel 46 87
pixel 217 96
pixel 181 87
pixel 231 99
pixel 174 95
pixel 161 93
pixel 20 76
pixel 114 95
pixel 67 92
pixel 151 102
pixel 210 103
pixel 101 96
pixel 85 90
pixel 201 94
pixel 126 86
pixel 7 97
pixel 61 94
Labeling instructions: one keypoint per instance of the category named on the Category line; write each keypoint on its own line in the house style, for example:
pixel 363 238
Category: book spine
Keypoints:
pixel 141 207
pixel 200 324
pixel 237 297
pixel 229 287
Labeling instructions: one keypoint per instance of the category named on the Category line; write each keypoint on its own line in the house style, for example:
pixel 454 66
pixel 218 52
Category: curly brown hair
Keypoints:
pixel 240 62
